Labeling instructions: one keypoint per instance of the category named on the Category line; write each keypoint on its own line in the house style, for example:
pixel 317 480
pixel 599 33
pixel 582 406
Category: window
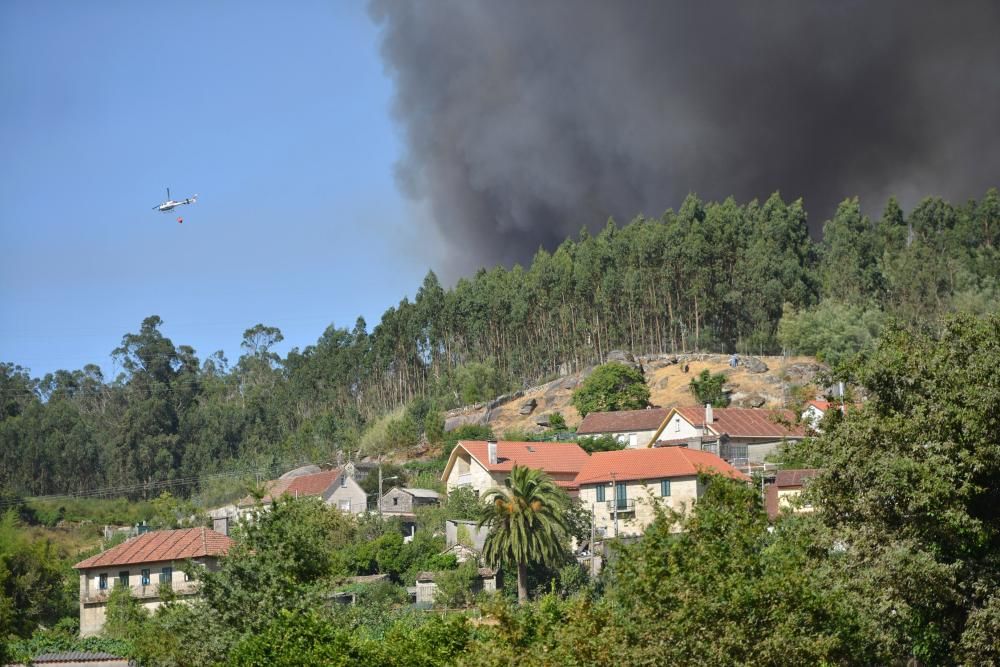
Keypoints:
pixel 665 487
pixel 344 505
pixel 621 496
pixel 633 440
pixel 102 582
pixel 600 494
pixel 677 424
pixel 343 481
pixel 166 575
pixel 145 577
pixel 123 577
pixel 395 500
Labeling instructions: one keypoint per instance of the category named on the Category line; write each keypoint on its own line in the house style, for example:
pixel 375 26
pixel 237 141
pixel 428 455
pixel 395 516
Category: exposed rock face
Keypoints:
pixel 749 401
pixel 803 373
pixel 528 407
pixel 753 364
pixel 453 421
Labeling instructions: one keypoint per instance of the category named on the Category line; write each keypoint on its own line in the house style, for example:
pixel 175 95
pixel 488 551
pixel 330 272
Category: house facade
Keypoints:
pixel 336 487
pixel 632 428
pixel 144 564
pixel 622 488
pixel 783 493
pixel 402 502
pixel 483 465
pixel 738 435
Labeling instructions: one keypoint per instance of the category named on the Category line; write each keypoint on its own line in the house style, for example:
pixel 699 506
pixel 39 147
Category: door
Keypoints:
pixel 621 500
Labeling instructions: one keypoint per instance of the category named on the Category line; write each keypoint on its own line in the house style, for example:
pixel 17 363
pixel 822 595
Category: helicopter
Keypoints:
pixel 171 204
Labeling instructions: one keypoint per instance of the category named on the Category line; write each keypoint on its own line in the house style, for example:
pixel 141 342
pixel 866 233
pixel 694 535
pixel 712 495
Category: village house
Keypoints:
pixel 633 428
pixel 814 412
pixel 145 564
pixel 402 503
pixel 784 491
pixel 483 465
pixel 336 487
pixel 739 435
pixel 621 487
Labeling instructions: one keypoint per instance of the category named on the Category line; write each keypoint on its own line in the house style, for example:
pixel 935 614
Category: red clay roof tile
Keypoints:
pixel 794 478
pixel 746 422
pixel 622 421
pixel 162 545
pixel 650 464
pixel 552 457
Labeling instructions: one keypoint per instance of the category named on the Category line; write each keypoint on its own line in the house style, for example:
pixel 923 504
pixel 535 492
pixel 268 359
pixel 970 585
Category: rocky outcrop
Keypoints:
pixel 753 365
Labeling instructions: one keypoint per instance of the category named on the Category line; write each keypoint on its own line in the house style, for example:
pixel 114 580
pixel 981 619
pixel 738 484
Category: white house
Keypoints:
pixel 483 465
pixel 336 487
pixel 622 487
pixel 633 428
pixel 738 435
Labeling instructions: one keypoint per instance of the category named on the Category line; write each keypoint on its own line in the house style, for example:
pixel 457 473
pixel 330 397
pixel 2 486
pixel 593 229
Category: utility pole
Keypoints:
pixel 614 496
pixel 380 480
pixel 593 540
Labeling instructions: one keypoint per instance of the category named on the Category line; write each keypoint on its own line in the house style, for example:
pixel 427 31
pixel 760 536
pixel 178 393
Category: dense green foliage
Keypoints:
pixel 611 387
pixel 717 276
pixel 707 388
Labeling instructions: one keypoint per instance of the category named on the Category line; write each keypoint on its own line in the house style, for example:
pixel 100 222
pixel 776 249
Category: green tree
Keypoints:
pixel 526 521
pixel 912 489
pixel 707 388
pixel 611 387
pixel 281 560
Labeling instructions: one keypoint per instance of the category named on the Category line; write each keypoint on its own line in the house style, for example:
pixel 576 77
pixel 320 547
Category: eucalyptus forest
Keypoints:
pixel 715 276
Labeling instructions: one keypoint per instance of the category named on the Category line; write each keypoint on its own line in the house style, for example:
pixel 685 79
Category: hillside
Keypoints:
pixel 757 382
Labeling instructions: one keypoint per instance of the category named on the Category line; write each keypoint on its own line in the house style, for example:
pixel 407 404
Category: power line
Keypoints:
pixel 117 491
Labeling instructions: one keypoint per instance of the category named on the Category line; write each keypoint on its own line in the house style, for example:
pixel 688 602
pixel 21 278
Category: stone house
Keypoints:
pixel 633 428
pixel 621 487
pixel 484 465
pixel 402 503
pixel 144 564
pixel 427 589
pixel 739 435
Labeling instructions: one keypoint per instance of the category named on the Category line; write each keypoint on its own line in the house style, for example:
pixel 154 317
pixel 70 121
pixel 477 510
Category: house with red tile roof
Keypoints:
pixel 738 435
pixel 482 465
pixel 144 564
pixel 633 428
pixel 336 487
pixel 622 487
pixel 784 491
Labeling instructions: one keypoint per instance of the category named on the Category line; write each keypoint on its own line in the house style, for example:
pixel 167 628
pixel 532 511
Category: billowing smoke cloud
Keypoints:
pixel 526 120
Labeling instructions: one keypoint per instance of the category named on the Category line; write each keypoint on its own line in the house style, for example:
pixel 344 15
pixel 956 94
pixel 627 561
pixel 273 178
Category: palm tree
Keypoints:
pixel 527 523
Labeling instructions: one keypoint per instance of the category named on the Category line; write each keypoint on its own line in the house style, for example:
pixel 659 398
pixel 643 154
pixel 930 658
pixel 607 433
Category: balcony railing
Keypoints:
pixel 622 506
pixel 145 592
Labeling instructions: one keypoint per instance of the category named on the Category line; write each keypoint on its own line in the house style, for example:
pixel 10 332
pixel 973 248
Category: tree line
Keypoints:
pixel 718 276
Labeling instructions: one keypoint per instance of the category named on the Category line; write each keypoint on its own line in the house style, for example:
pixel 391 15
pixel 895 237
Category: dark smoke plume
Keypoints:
pixel 527 120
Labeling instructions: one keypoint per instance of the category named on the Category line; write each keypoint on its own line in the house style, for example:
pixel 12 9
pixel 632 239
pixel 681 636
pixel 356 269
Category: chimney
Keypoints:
pixel 491 448
pixel 709 417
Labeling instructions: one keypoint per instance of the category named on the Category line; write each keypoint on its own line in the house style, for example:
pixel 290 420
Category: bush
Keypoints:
pixel 707 388
pixel 611 387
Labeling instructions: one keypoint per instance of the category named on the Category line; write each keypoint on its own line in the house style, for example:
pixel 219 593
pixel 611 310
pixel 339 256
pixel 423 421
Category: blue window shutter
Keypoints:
pixel 665 487
pixel 600 493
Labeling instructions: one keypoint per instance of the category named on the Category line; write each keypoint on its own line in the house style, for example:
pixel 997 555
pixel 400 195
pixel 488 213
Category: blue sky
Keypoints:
pixel 278 116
